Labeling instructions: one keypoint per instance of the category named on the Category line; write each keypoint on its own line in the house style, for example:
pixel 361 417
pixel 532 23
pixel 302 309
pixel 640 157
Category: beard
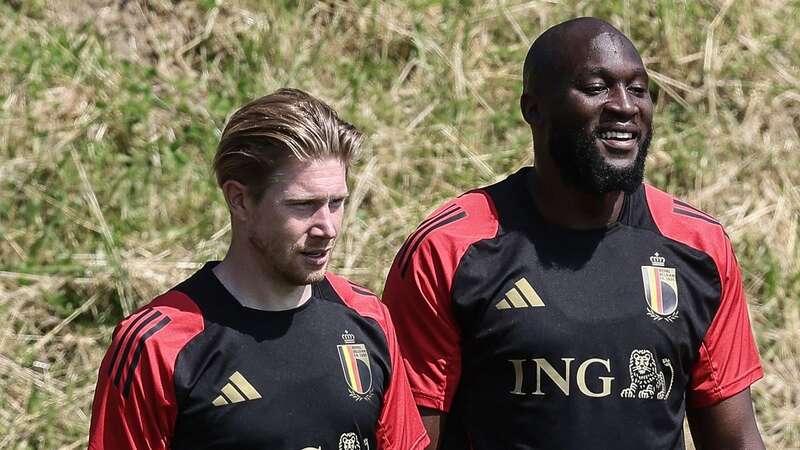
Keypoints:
pixel 284 260
pixel 582 166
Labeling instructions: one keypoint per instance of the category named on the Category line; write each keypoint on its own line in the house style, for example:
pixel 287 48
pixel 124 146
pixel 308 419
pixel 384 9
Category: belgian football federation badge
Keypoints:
pixel 660 289
pixel 355 367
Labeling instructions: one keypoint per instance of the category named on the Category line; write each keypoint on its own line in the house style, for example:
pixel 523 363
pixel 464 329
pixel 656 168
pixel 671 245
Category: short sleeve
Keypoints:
pixel 134 403
pixel 399 426
pixel 728 361
pixel 417 293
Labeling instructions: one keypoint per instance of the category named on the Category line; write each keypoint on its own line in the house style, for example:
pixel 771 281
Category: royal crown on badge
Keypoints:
pixel 657 260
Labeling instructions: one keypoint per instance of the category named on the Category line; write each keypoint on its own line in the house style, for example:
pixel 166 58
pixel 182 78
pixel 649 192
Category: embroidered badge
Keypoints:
pixel 660 289
pixel 355 367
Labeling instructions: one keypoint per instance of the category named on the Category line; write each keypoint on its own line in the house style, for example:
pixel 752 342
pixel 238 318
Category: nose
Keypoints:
pixel 621 102
pixel 324 223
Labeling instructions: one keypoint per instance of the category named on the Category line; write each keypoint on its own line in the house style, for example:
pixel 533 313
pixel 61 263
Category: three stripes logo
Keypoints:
pixel 685 209
pixel 448 215
pixel 131 344
pixel 522 295
pixel 237 390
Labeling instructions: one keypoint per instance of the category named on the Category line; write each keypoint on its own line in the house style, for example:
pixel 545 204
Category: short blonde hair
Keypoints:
pixel 262 135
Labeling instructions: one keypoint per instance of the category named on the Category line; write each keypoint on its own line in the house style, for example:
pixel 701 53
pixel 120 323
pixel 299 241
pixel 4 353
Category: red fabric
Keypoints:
pixel 399 425
pixel 728 361
pixel 420 299
pixel 145 418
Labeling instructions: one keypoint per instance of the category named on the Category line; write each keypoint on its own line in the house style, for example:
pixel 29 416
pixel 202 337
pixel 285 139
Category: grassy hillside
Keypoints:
pixel 110 112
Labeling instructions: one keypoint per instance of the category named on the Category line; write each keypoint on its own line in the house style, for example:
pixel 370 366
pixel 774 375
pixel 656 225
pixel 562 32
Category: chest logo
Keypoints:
pixel 355 367
pixel 236 390
pixel 521 295
pixel 647 380
pixel 349 441
pixel 660 289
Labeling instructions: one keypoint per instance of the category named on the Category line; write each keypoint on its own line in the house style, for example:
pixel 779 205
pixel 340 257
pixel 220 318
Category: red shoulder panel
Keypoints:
pixel 728 361
pixel 399 425
pixel 134 404
pixel 358 298
pixel 418 291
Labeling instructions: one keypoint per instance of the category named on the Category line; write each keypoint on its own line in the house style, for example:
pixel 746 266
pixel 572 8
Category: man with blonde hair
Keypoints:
pixel 264 349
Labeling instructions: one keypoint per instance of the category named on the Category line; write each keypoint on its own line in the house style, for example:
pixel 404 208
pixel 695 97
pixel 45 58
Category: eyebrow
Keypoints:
pixel 638 72
pixel 311 198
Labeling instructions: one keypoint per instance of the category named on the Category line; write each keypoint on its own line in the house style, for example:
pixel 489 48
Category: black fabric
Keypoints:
pixel 554 376
pixel 290 358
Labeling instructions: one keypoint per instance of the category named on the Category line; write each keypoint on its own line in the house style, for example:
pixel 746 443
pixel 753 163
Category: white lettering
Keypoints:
pixel 562 378
pixel 561 381
pixel 581 378
pixel 518 376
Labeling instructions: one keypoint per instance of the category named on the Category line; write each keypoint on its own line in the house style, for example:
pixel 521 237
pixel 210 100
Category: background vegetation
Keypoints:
pixel 110 112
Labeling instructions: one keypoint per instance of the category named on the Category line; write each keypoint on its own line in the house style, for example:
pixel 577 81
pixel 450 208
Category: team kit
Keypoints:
pixel 569 306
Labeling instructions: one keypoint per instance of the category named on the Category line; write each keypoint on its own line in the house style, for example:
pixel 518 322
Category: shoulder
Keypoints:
pixel 162 327
pixel 680 221
pixel 468 217
pixel 174 310
pixel 358 298
pixel 449 230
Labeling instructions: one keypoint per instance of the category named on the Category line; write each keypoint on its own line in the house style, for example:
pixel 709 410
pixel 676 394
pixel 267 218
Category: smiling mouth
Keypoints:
pixel 618 141
pixel 616 135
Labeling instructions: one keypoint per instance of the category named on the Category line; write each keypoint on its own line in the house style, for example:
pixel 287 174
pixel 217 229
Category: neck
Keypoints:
pixel 565 205
pixel 254 284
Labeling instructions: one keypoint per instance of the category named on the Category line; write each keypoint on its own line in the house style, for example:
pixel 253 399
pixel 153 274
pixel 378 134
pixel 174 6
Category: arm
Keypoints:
pixel 399 426
pixel 134 402
pixel 730 424
pixel 434 423
pixel 132 406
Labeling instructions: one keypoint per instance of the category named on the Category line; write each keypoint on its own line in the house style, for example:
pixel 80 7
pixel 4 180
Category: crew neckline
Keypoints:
pixel 524 181
pixel 230 299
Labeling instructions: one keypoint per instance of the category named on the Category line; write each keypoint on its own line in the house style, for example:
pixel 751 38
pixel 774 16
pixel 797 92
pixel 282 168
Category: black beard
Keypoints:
pixel 581 165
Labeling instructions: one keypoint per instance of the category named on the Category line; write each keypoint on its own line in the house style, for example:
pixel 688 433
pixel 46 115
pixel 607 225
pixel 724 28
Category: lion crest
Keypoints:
pixel 647 381
pixel 349 441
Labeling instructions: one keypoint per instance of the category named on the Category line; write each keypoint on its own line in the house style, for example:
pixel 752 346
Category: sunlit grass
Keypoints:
pixel 109 117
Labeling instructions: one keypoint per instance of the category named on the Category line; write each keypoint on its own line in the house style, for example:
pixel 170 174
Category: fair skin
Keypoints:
pixel 604 88
pixel 282 243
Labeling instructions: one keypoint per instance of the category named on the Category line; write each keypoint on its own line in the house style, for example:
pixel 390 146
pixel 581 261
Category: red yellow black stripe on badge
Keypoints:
pixel 356 368
pixel 660 289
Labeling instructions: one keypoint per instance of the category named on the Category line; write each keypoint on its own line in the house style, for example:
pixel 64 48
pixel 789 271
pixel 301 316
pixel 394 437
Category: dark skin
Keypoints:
pixel 600 86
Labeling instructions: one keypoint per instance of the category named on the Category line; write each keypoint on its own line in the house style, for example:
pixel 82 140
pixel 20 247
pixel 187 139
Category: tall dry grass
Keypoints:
pixel 110 112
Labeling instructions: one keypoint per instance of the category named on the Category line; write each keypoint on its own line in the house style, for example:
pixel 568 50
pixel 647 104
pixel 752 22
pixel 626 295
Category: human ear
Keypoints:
pixel 530 109
pixel 236 197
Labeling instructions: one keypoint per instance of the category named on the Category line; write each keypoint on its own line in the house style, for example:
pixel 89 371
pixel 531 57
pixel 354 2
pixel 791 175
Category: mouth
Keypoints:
pixel 619 140
pixel 316 257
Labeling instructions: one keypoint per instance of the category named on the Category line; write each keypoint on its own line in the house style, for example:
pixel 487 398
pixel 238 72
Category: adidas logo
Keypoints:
pixel 521 295
pixel 237 390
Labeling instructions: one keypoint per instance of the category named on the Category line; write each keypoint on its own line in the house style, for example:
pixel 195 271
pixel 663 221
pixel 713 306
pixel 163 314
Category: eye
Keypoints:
pixel 638 90
pixel 594 89
pixel 337 203
pixel 301 205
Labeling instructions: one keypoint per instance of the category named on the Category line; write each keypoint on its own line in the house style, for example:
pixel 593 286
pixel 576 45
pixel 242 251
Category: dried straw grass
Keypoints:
pixel 436 89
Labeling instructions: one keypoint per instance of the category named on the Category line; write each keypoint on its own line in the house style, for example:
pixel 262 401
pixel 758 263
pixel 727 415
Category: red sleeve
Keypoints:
pixel 399 425
pixel 728 361
pixel 417 293
pixel 134 403
pixel 728 358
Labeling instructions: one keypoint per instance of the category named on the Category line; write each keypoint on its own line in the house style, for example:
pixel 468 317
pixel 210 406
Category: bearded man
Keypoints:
pixel 264 350
pixel 571 305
